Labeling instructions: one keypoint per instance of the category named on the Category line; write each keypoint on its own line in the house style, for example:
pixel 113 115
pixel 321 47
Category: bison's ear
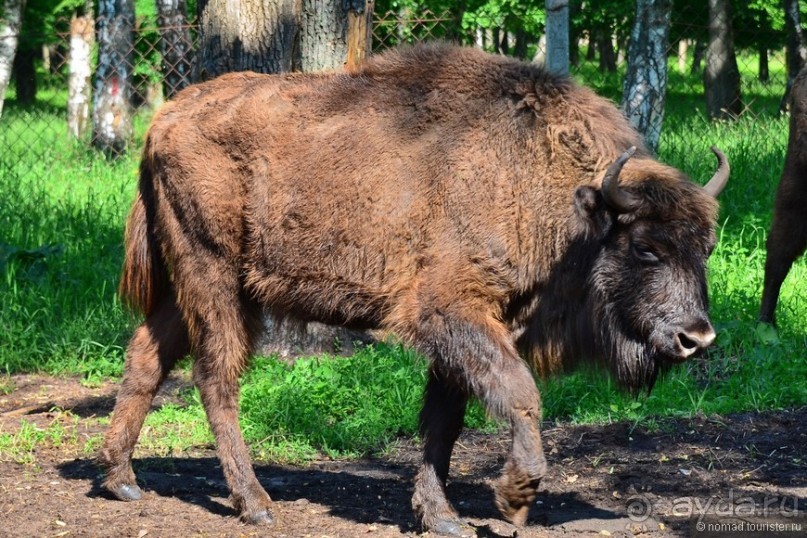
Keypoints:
pixel 592 216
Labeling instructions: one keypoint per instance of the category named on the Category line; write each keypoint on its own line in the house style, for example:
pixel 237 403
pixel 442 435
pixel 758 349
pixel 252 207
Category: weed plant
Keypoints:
pixel 62 209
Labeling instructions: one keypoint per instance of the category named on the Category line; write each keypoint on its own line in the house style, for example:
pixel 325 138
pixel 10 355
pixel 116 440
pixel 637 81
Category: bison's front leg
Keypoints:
pixel 474 349
pixel 440 424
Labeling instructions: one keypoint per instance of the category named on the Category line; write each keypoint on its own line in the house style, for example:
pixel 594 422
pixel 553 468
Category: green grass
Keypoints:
pixel 62 209
pixel 62 432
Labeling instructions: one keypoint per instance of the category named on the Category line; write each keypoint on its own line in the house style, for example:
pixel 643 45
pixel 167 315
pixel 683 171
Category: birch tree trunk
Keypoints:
pixel 112 110
pixel 79 89
pixel 645 87
pixel 721 78
pixel 10 24
pixel 479 38
pixel 557 36
pixel 175 45
pixel 540 51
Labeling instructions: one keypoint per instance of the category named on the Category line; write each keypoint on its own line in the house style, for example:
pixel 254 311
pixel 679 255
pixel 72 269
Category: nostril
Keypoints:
pixel 688 342
pixel 692 341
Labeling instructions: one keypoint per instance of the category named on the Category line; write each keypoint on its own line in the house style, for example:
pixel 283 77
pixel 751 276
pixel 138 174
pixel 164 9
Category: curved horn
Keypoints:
pixel 721 177
pixel 614 196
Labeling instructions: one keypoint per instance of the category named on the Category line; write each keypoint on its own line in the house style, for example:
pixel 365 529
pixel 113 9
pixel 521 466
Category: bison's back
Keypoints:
pixel 336 192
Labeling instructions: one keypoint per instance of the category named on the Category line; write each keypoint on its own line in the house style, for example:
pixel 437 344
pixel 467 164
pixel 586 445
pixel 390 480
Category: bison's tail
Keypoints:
pixel 144 281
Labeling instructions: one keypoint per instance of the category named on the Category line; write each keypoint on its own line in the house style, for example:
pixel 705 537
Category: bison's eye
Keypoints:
pixel 643 253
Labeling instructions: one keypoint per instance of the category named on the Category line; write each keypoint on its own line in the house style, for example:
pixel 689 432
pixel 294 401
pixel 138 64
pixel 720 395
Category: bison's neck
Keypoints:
pixel 557 322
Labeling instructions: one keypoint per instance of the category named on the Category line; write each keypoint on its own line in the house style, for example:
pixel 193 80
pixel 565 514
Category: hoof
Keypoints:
pixel 126 492
pixel 514 498
pixel 517 515
pixel 453 527
pixel 262 518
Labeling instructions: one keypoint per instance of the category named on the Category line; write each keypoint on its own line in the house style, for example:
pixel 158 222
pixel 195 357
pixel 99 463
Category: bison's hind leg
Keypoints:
pixel 153 351
pixel 222 339
pixel 786 242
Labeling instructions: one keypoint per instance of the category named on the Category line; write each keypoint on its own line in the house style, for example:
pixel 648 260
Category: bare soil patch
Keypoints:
pixel 616 479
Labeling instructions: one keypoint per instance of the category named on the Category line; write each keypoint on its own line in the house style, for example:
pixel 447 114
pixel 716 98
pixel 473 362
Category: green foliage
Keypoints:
pixel 43 19
pixel 511 15
pixel 756 22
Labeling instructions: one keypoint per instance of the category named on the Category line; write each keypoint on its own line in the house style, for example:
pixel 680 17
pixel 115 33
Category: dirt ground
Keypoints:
pixel 745 472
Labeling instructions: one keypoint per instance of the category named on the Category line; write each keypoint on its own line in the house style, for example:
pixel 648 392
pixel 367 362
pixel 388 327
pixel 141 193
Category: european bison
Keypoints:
pixel 473 205
pixel 788 237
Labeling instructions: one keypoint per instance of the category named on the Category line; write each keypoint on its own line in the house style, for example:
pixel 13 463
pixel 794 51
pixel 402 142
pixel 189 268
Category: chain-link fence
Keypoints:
pixel 53 100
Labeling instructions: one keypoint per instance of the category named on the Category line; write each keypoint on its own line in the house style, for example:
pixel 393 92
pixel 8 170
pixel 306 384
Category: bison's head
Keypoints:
pixel 646 299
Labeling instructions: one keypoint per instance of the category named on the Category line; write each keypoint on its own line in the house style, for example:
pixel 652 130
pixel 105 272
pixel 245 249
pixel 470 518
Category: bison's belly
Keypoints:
pixel 322 276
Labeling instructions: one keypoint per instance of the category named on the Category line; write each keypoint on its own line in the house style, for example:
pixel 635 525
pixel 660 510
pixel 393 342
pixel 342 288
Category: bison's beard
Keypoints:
pixel 632 360
pixel 555 342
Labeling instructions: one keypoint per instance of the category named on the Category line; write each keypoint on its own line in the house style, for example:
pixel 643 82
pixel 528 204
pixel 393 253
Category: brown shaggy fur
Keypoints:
pixel 445 195
pixel 788 236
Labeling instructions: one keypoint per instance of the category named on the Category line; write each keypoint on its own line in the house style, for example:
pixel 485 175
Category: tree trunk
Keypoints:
pixel 359 32
pixel 722 77
pixel 591 46
pixel 540 51
pixel 522 42
pixel 79 90
pixel 175 45
pixel 334 33
pixel 796 48
pixel 504 45
pixel 252 35
pixel 24 73
pixel 683 49
pixel 697 56
pixel 10 24
pixel 479 38
pixel 764 71
pixel 574 34
pixel 557 36
pixel 607 53
pixel 112 92
pixel 645 86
